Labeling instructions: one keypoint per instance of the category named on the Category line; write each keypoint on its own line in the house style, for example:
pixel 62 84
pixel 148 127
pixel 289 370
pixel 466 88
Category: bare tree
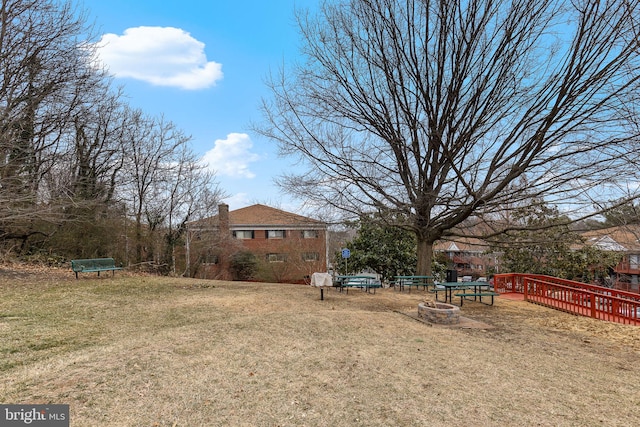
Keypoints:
pixel 431 110
pixel 43 69
pixel 187 191
pixel 74 159
pixel 96 155
pixel 167 186
pixel 149 144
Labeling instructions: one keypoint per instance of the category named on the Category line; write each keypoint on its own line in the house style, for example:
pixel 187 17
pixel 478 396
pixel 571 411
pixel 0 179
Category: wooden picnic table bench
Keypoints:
pixel 94 265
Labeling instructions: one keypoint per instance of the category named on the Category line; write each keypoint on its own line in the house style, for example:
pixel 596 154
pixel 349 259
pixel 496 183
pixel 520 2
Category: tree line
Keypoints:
pixel 82 174
pixel 425 114
pixel 542 244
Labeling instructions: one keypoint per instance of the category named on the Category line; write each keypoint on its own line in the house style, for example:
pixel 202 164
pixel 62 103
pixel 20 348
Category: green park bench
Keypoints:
pixel 477 294
pixel 406 282
pixel 95 265
pixel 365 283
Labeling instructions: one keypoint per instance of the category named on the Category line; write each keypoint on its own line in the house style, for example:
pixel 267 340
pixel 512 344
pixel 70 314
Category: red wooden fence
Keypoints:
pixel 573 297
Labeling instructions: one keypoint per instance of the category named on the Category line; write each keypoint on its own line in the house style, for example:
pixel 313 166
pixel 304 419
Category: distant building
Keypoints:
pixel 468 256
pixel 286 247
pixel 625 240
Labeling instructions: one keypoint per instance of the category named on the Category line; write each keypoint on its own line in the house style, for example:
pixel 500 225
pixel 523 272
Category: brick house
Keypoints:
pixel 286 247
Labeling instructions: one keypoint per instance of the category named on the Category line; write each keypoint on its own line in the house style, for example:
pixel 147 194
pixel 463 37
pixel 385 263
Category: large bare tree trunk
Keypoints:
pixel 425 256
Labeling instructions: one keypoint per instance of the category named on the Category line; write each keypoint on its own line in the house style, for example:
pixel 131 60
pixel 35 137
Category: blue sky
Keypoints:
pixel 202 64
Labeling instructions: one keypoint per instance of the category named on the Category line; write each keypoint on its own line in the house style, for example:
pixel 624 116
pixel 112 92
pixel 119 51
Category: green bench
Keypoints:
pixel 372 285
pixel 477 294
pixel 447 290
pixel 365 283
pixel 402 282
pixel 436 288
pixel 95 265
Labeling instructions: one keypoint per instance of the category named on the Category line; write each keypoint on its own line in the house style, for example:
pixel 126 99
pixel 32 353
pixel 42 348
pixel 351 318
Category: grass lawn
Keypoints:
pixel 148 351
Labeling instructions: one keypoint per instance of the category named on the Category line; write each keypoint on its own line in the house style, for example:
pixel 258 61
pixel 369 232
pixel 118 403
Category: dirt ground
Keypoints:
pixel 146 351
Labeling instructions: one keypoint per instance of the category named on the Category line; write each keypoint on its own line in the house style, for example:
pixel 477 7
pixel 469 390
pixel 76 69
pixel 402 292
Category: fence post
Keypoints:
pixel 593 305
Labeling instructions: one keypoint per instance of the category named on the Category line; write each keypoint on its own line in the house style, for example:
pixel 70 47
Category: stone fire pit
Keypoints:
pixel 439 313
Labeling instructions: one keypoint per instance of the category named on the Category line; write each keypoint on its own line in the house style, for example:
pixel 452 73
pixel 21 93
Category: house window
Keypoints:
pixel 276 257
pixel 310 234
pixel 243 234
pixel 310 256
pixel 275 234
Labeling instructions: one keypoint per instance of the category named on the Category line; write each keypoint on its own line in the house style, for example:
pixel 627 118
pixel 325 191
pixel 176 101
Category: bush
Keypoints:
pixel 243 266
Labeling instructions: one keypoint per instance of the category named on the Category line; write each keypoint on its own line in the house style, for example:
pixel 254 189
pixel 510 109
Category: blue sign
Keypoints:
pixel 346 253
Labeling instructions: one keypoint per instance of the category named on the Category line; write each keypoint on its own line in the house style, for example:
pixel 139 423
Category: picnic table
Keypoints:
pixel 402 282
pixel 365 283
pixel 480 289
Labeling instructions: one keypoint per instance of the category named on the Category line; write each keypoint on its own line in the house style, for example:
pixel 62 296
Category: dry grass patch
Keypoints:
pixel 143 351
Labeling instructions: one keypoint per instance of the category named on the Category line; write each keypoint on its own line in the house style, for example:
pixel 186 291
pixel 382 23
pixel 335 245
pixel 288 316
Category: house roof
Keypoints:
pixel 260 215
pixel 461 244
pixel 621 239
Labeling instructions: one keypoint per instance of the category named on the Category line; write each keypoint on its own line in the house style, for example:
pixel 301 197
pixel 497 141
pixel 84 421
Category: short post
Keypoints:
pixel 321 293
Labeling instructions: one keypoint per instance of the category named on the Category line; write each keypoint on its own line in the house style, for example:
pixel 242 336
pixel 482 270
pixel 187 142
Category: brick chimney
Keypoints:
pixel 223 218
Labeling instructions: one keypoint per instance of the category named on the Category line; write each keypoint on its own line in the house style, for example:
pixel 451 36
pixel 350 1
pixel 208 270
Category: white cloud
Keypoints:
pixel 237 201
pixel 163 56
pixel 232 156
